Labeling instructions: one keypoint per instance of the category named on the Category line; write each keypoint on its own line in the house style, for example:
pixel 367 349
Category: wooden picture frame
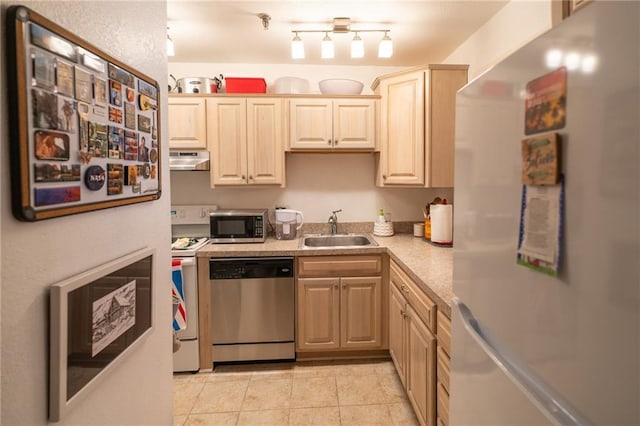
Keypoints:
pixel 96 319
pixel 71 149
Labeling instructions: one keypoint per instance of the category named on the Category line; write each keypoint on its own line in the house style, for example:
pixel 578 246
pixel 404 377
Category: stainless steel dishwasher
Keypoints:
pixel 252 308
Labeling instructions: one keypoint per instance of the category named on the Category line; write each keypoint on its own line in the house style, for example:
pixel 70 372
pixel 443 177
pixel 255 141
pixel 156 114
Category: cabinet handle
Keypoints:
pixel 335 286
pixel 243 178
pixel 335 142
pixel 250 177
pixel 329 141
pixel 384 177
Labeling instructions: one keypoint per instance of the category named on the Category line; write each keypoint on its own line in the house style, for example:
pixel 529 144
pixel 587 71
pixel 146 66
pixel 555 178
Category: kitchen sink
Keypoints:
pixel 336 241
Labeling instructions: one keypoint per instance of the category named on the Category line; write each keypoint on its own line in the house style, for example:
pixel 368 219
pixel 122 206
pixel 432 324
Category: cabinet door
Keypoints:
pixel 360 307
pixel 187 123
pixel 227 135
pixel 397 331
pixel 354 124
pixel 440 119
pixel 265 153
pixel 310 124
pixel 420 383
pixel 318 320
pixel 402 130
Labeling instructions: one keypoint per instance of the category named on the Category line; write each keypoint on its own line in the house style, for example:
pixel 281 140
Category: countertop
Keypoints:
pixel 428 265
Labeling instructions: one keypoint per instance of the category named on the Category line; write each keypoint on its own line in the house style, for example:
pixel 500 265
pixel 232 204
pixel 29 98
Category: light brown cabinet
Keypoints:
pixel 338 312
pixel 412 343
pixel 417 122
pixel 332 124
pixel 245 138
pixel 187 122
pixel 443 370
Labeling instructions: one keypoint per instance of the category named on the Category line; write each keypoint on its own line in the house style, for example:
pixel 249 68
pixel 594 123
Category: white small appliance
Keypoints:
pixel 288 222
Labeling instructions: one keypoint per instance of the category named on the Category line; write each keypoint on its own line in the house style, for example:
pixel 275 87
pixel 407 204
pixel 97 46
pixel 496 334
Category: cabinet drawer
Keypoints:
pixel 442 404
pixel 443 367
pixel 444 332
pixel 334 266
pixel 419 301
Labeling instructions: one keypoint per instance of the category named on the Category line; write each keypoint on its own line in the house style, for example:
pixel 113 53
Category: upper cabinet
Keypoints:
pixel 187 123
pixel 245 138
pixel 332 124
pixel 417 122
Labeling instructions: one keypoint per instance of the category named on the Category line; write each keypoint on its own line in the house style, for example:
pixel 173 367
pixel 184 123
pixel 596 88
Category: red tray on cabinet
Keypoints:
pixel 245 85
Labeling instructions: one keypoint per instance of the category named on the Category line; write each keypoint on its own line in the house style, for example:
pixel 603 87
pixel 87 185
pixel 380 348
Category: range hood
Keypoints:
pixel 189 160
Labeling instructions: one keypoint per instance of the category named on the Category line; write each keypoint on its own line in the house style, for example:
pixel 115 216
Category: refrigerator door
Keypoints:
pixel 578 334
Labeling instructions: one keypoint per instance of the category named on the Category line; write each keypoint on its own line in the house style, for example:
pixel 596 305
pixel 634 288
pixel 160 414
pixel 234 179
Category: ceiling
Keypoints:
pixel 423 31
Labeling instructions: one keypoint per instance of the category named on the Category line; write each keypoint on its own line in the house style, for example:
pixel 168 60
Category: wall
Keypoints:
pixel 36 255
pixel 513 26
pixel 316 185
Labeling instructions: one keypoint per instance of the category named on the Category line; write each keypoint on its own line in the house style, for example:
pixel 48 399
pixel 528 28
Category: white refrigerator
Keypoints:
pixel 530 348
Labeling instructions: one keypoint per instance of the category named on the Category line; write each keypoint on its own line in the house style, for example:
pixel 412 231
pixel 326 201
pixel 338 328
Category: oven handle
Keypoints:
pixel 187 261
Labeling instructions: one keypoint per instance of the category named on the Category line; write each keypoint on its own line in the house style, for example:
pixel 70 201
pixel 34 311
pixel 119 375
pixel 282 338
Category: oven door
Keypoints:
pixel 190 286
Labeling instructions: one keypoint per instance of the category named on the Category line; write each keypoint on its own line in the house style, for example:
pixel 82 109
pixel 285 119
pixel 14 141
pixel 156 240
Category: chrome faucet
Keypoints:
pixel 333 220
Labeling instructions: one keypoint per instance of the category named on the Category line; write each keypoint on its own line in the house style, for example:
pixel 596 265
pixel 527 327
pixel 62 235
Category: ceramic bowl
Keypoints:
pixel 340 86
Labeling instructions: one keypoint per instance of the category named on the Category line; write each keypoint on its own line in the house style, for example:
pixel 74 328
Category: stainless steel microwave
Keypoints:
pixel 238 226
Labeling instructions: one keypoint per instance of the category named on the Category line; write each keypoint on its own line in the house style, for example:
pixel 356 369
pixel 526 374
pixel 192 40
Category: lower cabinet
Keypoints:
pixel 412 343
pixel 444 362
pixel 337 312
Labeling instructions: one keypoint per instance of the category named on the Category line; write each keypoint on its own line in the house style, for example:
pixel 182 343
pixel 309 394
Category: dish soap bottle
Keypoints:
pixel 381 218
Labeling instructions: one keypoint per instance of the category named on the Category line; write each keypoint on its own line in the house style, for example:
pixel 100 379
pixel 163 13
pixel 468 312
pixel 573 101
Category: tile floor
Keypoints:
pixel 362 392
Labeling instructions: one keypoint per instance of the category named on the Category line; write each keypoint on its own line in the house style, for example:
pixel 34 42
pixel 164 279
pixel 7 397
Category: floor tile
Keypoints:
pixel 274 371
pixel 360 390
pixel 263 417
pixel 315 369
pixel 267 394
pixel 210 419
pixel 402 414
pixel 184 396
pixel 179 420
pixel 190 377
pixel 314 392
pixel 358 415
pixel 386 367
pixel 221 396
pixel 324 416
pixel 392 387
pixel 355 368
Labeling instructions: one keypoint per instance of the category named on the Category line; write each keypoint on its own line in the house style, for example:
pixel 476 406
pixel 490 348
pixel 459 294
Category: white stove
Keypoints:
pixel 189 232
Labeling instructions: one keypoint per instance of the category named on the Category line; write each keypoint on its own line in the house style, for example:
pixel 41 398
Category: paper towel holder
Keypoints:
pixel 442 224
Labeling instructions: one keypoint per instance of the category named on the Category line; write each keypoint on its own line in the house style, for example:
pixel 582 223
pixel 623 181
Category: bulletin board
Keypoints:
pixel 84 127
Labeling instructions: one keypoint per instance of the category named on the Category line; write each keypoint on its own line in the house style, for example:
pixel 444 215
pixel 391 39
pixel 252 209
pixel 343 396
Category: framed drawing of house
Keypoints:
pixel 97 317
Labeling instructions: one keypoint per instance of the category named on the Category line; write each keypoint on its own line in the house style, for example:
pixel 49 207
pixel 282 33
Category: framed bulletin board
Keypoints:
pixel 83 126
pixel 97 317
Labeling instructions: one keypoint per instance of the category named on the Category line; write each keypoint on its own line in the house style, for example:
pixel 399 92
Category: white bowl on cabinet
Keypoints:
pixel 340 86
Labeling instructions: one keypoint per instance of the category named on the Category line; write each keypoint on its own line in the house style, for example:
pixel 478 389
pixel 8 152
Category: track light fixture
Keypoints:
pixel 342 26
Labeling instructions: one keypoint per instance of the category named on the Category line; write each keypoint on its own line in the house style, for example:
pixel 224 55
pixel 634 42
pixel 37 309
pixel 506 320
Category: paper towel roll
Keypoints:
pixel 441 223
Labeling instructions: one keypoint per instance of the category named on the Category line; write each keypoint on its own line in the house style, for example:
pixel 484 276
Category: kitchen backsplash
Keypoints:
pixel 316 184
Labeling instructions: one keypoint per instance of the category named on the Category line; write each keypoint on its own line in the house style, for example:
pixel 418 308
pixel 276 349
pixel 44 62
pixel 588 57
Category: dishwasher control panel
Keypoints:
pixel 247 268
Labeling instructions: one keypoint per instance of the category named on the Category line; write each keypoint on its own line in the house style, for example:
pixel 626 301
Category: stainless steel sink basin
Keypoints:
pixel 336 241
